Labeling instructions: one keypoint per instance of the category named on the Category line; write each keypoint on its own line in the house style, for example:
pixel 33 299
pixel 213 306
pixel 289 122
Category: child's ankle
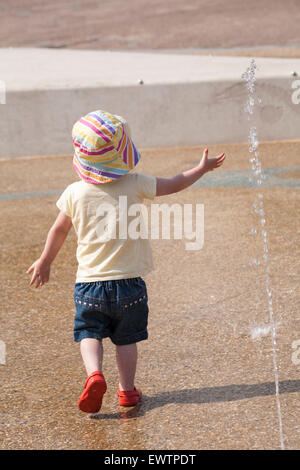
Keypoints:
pixel 96 372
pixel 126 388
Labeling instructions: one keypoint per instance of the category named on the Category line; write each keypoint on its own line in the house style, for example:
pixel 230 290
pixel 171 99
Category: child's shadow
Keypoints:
pixel 225 393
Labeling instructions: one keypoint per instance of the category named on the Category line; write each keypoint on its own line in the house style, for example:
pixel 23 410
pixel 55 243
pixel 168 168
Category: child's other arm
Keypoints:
pixel 55 239
pixel 187 178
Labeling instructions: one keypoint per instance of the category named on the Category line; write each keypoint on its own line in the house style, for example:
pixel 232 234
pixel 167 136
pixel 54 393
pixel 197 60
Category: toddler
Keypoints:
pixel 110 294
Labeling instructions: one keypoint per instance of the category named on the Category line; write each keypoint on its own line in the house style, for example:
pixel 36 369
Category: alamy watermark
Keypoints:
pixel 296 93
pixel 296 353
pixel 2 92
pixel 2 352
pixel 120 221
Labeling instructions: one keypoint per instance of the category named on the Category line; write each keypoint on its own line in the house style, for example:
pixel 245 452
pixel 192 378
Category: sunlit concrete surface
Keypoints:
pixel 206 370
pixel 184 99
pixel 141 24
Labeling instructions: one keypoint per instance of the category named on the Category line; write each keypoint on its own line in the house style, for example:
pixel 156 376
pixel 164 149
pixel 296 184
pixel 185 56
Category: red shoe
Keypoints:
pixel 90 400
pixel 129 397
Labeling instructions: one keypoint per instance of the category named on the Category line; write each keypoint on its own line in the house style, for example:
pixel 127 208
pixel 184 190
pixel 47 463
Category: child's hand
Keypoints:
pixel 209 164
pixel 41 272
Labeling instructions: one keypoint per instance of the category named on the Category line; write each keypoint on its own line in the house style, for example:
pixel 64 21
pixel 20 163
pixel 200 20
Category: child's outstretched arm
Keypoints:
pixel 187 178
pixel 55 239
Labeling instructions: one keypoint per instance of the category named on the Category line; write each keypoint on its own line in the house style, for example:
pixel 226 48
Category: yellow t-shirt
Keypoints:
pixel 108 243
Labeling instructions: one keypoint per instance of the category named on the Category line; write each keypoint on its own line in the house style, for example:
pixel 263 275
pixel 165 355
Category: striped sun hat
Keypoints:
pixel 103 147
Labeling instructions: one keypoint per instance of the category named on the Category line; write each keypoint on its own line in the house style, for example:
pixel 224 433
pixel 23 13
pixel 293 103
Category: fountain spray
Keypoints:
pixel 256 180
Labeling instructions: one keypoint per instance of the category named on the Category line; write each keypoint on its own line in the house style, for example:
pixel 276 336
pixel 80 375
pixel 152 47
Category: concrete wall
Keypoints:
pixel 39 121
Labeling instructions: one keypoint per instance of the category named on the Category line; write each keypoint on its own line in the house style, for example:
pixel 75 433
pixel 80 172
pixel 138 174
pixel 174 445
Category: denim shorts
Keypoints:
pixel 117 309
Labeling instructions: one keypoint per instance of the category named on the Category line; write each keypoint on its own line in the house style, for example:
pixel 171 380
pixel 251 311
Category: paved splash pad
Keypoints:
pixel 287 177
pixel 206 370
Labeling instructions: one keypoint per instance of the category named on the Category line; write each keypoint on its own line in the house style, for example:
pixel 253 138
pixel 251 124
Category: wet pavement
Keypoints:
pixel 206 370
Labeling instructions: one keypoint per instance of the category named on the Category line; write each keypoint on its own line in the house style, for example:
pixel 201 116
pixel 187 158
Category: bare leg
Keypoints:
pixel 92 354
pixel 126 359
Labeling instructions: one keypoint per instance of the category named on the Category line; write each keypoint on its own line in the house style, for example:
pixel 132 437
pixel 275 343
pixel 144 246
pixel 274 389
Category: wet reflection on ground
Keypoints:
pixel 201 395
pixel 129 413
